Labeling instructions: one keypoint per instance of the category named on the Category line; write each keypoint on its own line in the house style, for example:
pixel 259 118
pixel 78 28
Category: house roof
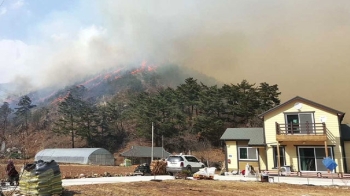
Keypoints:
pixel 145 151
pixel 345 131
pixel 255 136
pixel 297 98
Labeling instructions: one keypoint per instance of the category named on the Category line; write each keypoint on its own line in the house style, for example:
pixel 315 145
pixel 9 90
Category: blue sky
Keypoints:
pixel 33 27
pixel 28 25
pixel 21 17
pixel 303 46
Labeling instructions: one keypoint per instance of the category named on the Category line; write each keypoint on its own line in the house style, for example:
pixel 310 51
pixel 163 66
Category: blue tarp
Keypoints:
pixel 329 163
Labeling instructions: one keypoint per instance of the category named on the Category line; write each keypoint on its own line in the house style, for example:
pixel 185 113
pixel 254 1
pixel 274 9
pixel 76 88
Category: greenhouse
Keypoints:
pixel 88 156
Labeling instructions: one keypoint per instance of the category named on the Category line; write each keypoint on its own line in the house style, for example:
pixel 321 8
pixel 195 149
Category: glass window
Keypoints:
pixel 310 158
pixel 275 156
pixel 301 123
pixel 243 154
pixel 252 153
pixel 175 159
pixel 248 153
pixel 191 159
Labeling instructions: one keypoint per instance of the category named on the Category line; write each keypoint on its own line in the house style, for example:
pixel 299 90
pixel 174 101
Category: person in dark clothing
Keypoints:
pixel 13 175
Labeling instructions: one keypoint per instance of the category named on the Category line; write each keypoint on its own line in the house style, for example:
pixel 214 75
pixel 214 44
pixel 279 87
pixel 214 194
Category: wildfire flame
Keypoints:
pixel 97 80
pixel 60 99
pixel 144 67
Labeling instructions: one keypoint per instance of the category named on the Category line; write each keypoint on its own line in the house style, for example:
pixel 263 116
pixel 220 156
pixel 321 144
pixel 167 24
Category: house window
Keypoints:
pixel 248 153
pixel 275 156
pixel 302 123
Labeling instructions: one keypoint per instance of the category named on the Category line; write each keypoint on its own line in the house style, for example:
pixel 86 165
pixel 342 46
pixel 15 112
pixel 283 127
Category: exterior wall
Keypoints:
pixel 242 164
pixel 347 154
pixel 332 125
pixel 236 165
pixel 140 160
pixel 291 152
pixel 255 164
pixel 232 155
pixel 262 159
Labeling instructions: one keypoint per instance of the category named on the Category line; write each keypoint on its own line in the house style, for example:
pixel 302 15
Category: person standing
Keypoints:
pixel 12 173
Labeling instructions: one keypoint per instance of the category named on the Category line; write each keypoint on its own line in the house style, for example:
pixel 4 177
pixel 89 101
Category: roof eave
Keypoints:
pixel 305 100
pixel 264 145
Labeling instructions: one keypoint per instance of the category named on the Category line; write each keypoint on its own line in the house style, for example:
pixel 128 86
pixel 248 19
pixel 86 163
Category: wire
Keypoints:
pixel 2 2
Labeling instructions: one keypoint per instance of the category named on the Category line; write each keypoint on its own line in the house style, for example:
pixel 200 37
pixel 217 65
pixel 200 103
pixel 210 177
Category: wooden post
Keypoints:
pixel 278 157
pixel 326 152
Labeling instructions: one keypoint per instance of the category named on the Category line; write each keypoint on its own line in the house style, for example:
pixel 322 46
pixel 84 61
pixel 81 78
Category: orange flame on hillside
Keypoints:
pixel 144 67
pixel 107 76
pixel 91 80
pixel 60 99
pixel 97 80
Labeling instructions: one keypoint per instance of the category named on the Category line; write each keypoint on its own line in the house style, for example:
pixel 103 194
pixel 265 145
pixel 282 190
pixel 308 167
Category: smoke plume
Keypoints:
pixel 302 46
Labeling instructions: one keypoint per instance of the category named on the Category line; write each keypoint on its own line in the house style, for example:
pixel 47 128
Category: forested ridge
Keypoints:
pixel 183 116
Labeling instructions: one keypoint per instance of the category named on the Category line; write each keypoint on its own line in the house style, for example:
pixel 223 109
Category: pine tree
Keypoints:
pixel 23 112
pixel 86 121
pixel 68 122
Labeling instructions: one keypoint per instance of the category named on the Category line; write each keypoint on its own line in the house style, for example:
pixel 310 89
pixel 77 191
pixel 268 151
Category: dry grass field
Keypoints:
pixel 73 171
pixel 180 186
pixel 204 187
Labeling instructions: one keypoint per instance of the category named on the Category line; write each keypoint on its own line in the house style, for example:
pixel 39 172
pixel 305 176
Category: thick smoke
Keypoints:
pixel 302 46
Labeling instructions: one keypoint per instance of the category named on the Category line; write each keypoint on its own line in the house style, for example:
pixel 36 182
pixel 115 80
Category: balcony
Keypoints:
pixel 301 132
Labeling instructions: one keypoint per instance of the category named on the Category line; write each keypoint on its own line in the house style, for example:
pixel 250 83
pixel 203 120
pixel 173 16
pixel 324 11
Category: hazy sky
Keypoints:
pixel 301 45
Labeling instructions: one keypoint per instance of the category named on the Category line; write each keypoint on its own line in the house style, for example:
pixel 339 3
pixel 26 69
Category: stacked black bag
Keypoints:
pixel 41 178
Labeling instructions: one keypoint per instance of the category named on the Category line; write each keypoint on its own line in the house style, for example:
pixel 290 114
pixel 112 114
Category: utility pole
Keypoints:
pixel 72 139
pixel 72 124
pixel 152 145
pixel 162 148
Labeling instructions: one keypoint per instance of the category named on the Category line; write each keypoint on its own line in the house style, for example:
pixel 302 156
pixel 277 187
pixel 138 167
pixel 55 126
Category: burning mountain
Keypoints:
pixel 108 83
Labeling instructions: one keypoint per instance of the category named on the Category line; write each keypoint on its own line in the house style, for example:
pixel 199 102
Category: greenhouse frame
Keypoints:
pixel 87 156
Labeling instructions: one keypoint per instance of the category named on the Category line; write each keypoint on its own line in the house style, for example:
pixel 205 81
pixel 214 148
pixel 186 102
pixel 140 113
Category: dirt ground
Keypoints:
pixel 180 186
pixel 73 171
pixel 204 187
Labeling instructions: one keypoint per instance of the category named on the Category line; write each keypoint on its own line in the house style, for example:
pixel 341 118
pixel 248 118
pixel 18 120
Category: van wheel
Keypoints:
pixel 189 170
pixel 171 174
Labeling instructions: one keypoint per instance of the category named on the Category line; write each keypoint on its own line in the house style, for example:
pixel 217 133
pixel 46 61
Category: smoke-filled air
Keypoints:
pixel 303 46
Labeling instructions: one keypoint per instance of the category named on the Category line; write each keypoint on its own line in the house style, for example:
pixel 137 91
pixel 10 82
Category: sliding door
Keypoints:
pixel 310 158
pixel 300 123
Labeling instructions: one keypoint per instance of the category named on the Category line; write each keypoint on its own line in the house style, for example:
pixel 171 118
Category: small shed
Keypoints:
pixel 143 154
pixel 93 156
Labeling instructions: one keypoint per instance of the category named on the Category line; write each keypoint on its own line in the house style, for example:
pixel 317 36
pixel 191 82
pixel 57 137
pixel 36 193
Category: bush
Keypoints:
pixel 15 155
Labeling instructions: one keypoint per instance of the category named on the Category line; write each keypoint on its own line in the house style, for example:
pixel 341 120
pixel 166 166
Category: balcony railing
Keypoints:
pixel 301 129
pixel 301 132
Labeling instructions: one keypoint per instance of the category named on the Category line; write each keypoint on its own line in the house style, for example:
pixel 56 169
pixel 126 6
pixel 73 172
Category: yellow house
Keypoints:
pixel 298 134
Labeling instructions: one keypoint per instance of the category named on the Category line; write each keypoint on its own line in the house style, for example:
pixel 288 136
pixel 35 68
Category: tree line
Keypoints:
pixel 189 113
